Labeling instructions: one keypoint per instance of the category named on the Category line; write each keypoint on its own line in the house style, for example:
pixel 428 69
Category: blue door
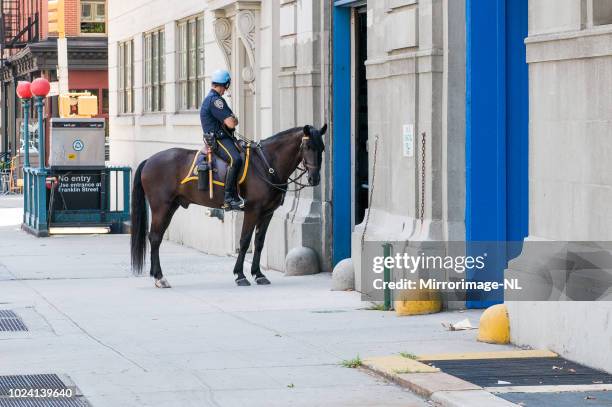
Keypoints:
pixel 497 133
pixel 342 98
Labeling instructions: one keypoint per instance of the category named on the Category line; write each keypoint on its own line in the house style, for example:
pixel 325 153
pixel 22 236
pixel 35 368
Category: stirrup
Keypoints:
pixel 234 204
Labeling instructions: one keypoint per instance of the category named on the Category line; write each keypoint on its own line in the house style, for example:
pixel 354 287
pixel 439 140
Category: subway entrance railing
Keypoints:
pixel 78 193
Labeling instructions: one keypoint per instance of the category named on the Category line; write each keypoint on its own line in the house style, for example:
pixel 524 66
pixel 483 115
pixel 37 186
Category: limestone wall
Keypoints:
pixel 416 76
pixel 570 183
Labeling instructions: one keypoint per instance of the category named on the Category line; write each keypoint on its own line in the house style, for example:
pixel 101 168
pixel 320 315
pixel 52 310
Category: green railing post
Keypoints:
pixel 126 191
pixel 41 132
pixel 41 177
pixel 25 103
pixel 26 132
pixel 387 277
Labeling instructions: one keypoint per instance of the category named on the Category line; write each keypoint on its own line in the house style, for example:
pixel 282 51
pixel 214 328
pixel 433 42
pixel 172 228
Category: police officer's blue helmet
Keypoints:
pixel 221 77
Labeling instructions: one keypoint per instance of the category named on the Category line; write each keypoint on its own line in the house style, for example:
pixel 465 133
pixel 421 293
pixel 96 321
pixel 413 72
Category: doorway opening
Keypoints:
pixel 361 185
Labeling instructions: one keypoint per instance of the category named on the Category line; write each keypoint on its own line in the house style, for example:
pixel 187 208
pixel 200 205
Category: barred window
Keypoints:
pixel 154 71
pixel 126 77
pixel 191 63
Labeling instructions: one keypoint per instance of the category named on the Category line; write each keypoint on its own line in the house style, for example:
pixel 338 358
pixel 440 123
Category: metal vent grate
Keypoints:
pixel 34 382
pixel 9 321
pixel 552 371
pixel 59 402
pixel 37 381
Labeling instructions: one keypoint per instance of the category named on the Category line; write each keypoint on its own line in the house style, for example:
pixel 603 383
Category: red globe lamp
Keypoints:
pixel 24 90
pixel 40 87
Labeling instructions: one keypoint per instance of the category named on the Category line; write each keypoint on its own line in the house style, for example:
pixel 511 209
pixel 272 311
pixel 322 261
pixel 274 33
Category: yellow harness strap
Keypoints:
pixel 246 164
pixel 191 177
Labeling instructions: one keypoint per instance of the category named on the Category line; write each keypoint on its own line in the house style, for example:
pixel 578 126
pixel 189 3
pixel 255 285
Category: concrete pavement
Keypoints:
pixel 203 342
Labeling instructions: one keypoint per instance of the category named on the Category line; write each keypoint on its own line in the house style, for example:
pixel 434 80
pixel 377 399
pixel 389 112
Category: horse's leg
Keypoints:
pixel 160 220
pixel 250 219
pixel 260 237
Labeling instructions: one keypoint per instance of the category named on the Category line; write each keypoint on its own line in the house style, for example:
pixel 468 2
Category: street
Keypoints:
pixel 203 342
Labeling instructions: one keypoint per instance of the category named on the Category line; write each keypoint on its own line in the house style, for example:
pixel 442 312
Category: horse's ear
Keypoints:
pixel 307 130
pixel 324 129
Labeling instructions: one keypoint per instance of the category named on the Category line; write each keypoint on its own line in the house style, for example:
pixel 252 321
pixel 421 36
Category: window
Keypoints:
pixel 154 71
pixel 126 75
pixel 602 12
pixel 93 16
pixel 191 63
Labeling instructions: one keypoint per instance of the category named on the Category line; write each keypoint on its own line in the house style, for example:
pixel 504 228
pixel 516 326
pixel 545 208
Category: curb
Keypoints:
pixel 442 388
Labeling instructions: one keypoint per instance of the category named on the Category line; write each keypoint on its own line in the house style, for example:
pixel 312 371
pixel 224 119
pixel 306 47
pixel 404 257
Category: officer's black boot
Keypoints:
pixel 232 200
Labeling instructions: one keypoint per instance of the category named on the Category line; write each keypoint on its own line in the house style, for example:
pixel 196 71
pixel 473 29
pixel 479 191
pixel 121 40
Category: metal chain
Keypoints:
pixel 422 198
pixel 367 219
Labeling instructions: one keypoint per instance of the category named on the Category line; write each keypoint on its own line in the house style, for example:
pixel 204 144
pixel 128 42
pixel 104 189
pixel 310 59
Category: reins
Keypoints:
pixel 271 172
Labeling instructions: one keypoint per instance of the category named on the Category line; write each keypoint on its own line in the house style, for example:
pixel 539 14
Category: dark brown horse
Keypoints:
pixel 158 180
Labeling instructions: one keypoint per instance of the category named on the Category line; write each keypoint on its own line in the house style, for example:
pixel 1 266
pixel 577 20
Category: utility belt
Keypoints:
pixel 212 136
pixel 211 140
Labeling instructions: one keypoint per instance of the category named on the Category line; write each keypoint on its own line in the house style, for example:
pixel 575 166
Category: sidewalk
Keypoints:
pixel 205 341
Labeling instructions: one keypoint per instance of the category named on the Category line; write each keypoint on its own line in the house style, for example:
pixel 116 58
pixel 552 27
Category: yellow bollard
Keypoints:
pixel 418 302
pixel 495 325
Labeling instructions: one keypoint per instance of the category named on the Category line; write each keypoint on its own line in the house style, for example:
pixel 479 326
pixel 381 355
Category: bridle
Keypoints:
pixel 271 172
pixel 304 162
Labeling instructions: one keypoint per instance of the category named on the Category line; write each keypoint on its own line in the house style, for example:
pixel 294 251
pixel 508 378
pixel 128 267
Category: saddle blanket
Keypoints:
pixel 218 167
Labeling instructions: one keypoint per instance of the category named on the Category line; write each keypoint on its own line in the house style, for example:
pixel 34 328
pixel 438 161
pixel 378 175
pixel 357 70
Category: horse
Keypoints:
pixel 158 180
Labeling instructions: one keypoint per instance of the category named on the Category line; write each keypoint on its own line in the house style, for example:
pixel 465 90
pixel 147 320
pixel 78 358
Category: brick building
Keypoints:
pixel 29 50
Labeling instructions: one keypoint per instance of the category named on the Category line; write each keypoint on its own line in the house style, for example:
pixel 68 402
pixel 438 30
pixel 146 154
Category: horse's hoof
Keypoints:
pixel 262 280
pixel 162 283
pixel 242 282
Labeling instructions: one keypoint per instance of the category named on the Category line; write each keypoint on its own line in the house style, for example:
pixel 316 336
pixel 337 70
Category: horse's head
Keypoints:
pixel 312 152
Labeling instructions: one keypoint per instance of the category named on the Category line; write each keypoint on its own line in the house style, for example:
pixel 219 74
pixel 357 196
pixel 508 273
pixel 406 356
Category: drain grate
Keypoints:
pixel 563 399
pixel 65 402
pixel 9 321
pixel 38 382
pixel 521 372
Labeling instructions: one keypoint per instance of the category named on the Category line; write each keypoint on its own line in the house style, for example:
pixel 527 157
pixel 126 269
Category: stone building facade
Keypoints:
pixel 415 88
pixel 161 57
pixel 513 99
pixel 28 44
pixel 569 53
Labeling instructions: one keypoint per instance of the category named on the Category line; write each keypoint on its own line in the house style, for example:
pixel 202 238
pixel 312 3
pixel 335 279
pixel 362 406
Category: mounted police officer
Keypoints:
pixel 219 124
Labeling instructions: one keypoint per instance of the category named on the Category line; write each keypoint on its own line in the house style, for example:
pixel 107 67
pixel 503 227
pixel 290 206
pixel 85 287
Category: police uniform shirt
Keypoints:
pixel 213 112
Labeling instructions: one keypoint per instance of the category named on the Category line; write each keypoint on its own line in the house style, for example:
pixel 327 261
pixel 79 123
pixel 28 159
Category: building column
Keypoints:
pixel 306 214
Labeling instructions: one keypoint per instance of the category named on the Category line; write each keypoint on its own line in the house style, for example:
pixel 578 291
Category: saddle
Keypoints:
pixel 209 169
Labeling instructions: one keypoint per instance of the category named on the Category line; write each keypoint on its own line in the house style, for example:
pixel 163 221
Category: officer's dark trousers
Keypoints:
pixel 229 153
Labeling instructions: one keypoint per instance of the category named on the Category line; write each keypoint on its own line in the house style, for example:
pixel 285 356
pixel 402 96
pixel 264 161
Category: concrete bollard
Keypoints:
pixel 301 261
pixel 343 276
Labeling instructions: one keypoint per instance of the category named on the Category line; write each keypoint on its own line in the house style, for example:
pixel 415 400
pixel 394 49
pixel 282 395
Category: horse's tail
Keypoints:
pixel 140 224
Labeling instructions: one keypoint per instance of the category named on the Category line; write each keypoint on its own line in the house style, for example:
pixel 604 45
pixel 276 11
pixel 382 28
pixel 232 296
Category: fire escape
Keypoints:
pixel 16 29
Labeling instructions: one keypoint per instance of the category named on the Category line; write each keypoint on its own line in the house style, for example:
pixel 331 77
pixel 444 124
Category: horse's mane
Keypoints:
pixel 281 134
pixel 316 136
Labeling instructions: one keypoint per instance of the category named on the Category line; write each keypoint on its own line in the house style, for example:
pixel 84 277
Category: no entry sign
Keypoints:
pixel 79 190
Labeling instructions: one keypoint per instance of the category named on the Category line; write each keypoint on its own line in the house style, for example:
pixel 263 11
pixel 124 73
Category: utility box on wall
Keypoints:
pixel 77 143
